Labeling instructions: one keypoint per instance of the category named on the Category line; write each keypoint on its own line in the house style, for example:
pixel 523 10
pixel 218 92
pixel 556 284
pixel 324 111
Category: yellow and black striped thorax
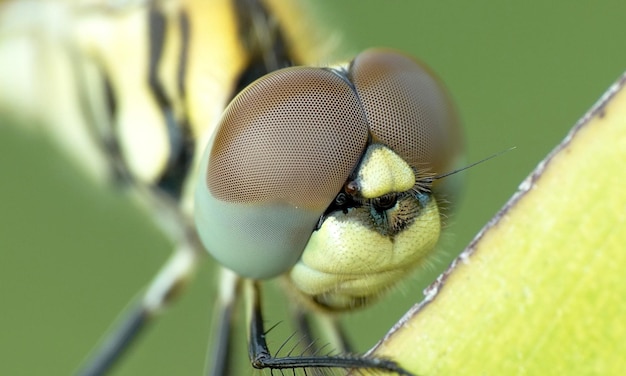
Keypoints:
pixel 195 57
pixel 136 89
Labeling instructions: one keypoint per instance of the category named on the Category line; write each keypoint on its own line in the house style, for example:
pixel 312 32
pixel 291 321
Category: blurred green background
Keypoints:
pixel 72 254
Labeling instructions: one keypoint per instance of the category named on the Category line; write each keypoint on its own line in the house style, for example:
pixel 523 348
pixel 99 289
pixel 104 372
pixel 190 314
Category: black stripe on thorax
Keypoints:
pixel 182 144
pixel 261 34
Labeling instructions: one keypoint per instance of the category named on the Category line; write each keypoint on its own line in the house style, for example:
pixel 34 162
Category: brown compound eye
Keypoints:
pixel 408 109
pixel 282 151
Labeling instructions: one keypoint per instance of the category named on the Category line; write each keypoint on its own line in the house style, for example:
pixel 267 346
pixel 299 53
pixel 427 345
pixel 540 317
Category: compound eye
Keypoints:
pixel 282 151
pixel 408 109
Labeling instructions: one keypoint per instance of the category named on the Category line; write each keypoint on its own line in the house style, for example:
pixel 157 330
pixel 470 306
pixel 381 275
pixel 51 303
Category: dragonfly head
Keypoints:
pixel 325 175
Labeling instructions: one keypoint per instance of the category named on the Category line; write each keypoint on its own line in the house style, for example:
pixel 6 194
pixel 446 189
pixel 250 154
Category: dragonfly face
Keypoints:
pixel 326 174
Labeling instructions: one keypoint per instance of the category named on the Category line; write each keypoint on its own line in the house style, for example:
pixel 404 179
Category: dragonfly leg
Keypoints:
pixel 219 360
pixel 329 327
pixel 159 293
pixel 261 357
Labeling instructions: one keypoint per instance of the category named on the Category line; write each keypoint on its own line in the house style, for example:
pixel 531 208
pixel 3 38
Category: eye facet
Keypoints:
pixel 282 151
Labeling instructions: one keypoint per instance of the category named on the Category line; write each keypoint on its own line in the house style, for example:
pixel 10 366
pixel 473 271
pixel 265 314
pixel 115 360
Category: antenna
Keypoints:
pixel 471 165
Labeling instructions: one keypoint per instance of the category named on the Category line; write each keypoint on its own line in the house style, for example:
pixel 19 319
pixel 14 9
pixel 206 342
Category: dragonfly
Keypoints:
pixel 158 111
